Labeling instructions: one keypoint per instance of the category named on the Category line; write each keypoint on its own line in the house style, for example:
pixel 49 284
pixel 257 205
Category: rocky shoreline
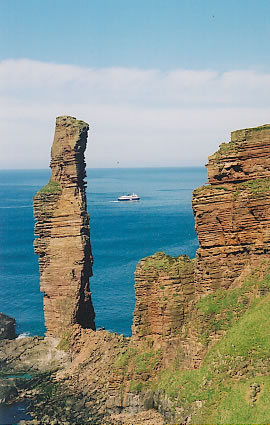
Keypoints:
pixel 200 327
pixel 35 371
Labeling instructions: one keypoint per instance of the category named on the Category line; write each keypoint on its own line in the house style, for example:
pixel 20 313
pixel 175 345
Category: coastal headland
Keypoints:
pixel 199 350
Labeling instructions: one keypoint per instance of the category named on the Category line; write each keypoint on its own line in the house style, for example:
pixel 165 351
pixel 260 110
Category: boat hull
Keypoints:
pixel 128 198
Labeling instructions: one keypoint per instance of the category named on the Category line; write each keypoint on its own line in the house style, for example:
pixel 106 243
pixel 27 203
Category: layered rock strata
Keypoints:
pixel 165 289
pixel 245 157
pixel 63 235
pixel 232 212
pixel 232 221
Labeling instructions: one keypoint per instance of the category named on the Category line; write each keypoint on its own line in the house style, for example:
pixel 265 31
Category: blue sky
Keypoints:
pixel 160 82
pixel 162 34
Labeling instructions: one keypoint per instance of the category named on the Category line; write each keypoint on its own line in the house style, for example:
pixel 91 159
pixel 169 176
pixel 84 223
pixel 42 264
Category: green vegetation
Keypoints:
pixel 220 391
pixel 255 187
pixel 81 124
pixel 223 382
pixel 50 390
pixel 147 361
pixel 221 188
pixel 260 128
pixel 236 407
pixel 139 363
pixel 158 261
pixel 171 265
pixel 45 386
pixel 135 386
pixel 206 188
pixel 220 310
pixel 51 187
pixel 65 341
pixel 235 145
pixel 236 360
pixel 226 149
pixel 241 358
pixel 123 361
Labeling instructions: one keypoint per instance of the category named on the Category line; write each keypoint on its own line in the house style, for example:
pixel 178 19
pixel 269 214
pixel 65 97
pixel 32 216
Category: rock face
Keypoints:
pixel 31 354
pixel 245 157
pixel 164 292
pixel 232 212
pixel 7 327
pixel 62 230
pixel 232 221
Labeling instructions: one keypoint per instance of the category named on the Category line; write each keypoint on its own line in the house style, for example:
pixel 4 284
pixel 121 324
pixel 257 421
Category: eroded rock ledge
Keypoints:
pixel 62 230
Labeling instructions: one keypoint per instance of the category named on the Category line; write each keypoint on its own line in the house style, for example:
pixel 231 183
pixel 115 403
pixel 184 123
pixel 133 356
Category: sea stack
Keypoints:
pixel 63 234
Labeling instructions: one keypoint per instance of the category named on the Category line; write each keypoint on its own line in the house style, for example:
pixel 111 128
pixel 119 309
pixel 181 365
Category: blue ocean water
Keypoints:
pixel 12 414
pixel 121 234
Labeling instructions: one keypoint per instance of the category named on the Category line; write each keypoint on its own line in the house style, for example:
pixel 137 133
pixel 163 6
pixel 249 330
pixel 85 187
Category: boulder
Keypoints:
pixel 7 327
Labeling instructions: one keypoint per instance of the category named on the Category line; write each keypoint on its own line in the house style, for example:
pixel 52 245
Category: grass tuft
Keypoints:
pixel 65 341
pixel 257 187
pixel 51 187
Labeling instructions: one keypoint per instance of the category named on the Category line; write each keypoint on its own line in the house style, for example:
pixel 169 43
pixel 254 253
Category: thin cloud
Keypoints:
pixel 139 117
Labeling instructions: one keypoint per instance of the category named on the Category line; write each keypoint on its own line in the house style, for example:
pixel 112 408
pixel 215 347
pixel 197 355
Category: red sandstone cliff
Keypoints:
pixel 232 221
pixel 62 230
pixel 232 212
pixel 164 294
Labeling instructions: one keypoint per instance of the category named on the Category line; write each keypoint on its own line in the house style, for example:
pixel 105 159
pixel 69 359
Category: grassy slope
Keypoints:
pixel 241 358
pixel 219 391
pixel 245 350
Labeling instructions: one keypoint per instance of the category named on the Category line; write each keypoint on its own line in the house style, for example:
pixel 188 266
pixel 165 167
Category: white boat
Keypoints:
pixel 132 197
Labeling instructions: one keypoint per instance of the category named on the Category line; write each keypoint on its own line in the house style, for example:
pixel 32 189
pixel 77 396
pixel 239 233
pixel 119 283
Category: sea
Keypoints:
pixel 122 233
